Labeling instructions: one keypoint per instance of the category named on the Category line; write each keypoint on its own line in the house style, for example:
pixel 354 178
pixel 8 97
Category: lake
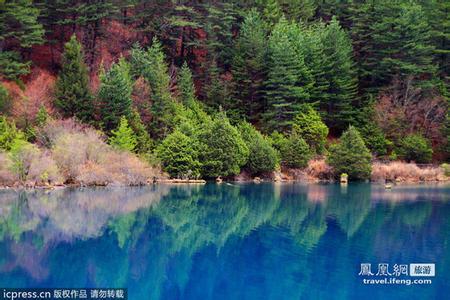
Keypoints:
pixel 249 241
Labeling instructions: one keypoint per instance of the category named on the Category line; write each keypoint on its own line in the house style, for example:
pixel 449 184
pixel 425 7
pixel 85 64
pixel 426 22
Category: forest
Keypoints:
pixel 95 92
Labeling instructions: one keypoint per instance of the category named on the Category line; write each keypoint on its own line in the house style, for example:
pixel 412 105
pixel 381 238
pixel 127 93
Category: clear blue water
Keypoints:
pixel 266 241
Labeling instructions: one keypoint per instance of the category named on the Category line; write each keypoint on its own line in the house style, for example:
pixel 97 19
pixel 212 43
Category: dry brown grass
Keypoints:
pixel 84 157
pixel 44 170
pixel 405 172
pixel 319 169
pixel 74 153
pixel 117 168
pixel 7 177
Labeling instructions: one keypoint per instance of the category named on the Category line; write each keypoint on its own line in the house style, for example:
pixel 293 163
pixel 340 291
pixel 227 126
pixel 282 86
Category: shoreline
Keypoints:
pixel 203 182
pixel 317 171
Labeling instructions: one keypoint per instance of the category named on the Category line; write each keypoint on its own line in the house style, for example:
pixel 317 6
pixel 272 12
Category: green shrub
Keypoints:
pixel 22 155
pixel 350 155
pixel 446 168
pixel 262 157
pixel 297 153
pixel 178 156
pixel 308 124
pixel 293 149
pixel 123 137
pixel 415 148
pixel 42 117
pixel 8 133
pixel 224 151
pixel 279 141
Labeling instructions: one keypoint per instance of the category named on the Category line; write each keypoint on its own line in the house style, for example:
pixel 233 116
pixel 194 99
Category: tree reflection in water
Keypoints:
pixel 239 241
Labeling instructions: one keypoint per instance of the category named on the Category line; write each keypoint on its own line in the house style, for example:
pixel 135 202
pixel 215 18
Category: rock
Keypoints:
pixel 219 179
pixel 257 180
pixel 344 178
pixel 277 177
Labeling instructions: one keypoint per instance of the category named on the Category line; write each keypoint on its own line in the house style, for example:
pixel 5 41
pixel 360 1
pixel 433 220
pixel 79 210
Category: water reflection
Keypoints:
pixel 284 241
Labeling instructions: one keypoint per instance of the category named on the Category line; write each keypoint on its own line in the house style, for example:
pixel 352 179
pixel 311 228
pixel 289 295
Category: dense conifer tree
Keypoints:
pixel 152 66
pixel 288 82
pixel 393 40
pixel 308 124
pixel 272 12
pixel 339 99
pixel 248 67
pixel 438 16
pixel 404 48
pixel 123 137
pixel 72 95
pixel 186 86
pixel 308 42
pixel 115 94
pixel 365 15
pixel 144 143
pixel 19 31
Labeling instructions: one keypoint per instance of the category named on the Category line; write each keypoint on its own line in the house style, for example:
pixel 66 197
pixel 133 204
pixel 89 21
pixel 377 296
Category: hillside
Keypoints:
pixel 211 88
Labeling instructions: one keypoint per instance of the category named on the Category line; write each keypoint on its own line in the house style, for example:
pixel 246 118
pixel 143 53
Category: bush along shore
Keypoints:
pixel 67 153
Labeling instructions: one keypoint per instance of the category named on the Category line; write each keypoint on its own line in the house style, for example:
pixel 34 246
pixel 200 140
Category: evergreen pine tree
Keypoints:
pixel 438 17
pixel 248 67
pixel 402 42
pixel 308 124
pixel 288 82
pixel 340 97
pixel 365 15
pixel 216 89
pixel 272 12
pixel 19 31
pixel 115 94
pixel 144 143
pixel 42 117
pixel 72 95
pixel 186 86
pixel 299 10
pixel 152 66
pixel 219 24
pixel 123 137
pixel 194 111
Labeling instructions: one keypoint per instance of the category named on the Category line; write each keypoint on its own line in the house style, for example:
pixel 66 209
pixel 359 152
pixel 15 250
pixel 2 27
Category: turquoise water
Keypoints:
pixel 266 241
